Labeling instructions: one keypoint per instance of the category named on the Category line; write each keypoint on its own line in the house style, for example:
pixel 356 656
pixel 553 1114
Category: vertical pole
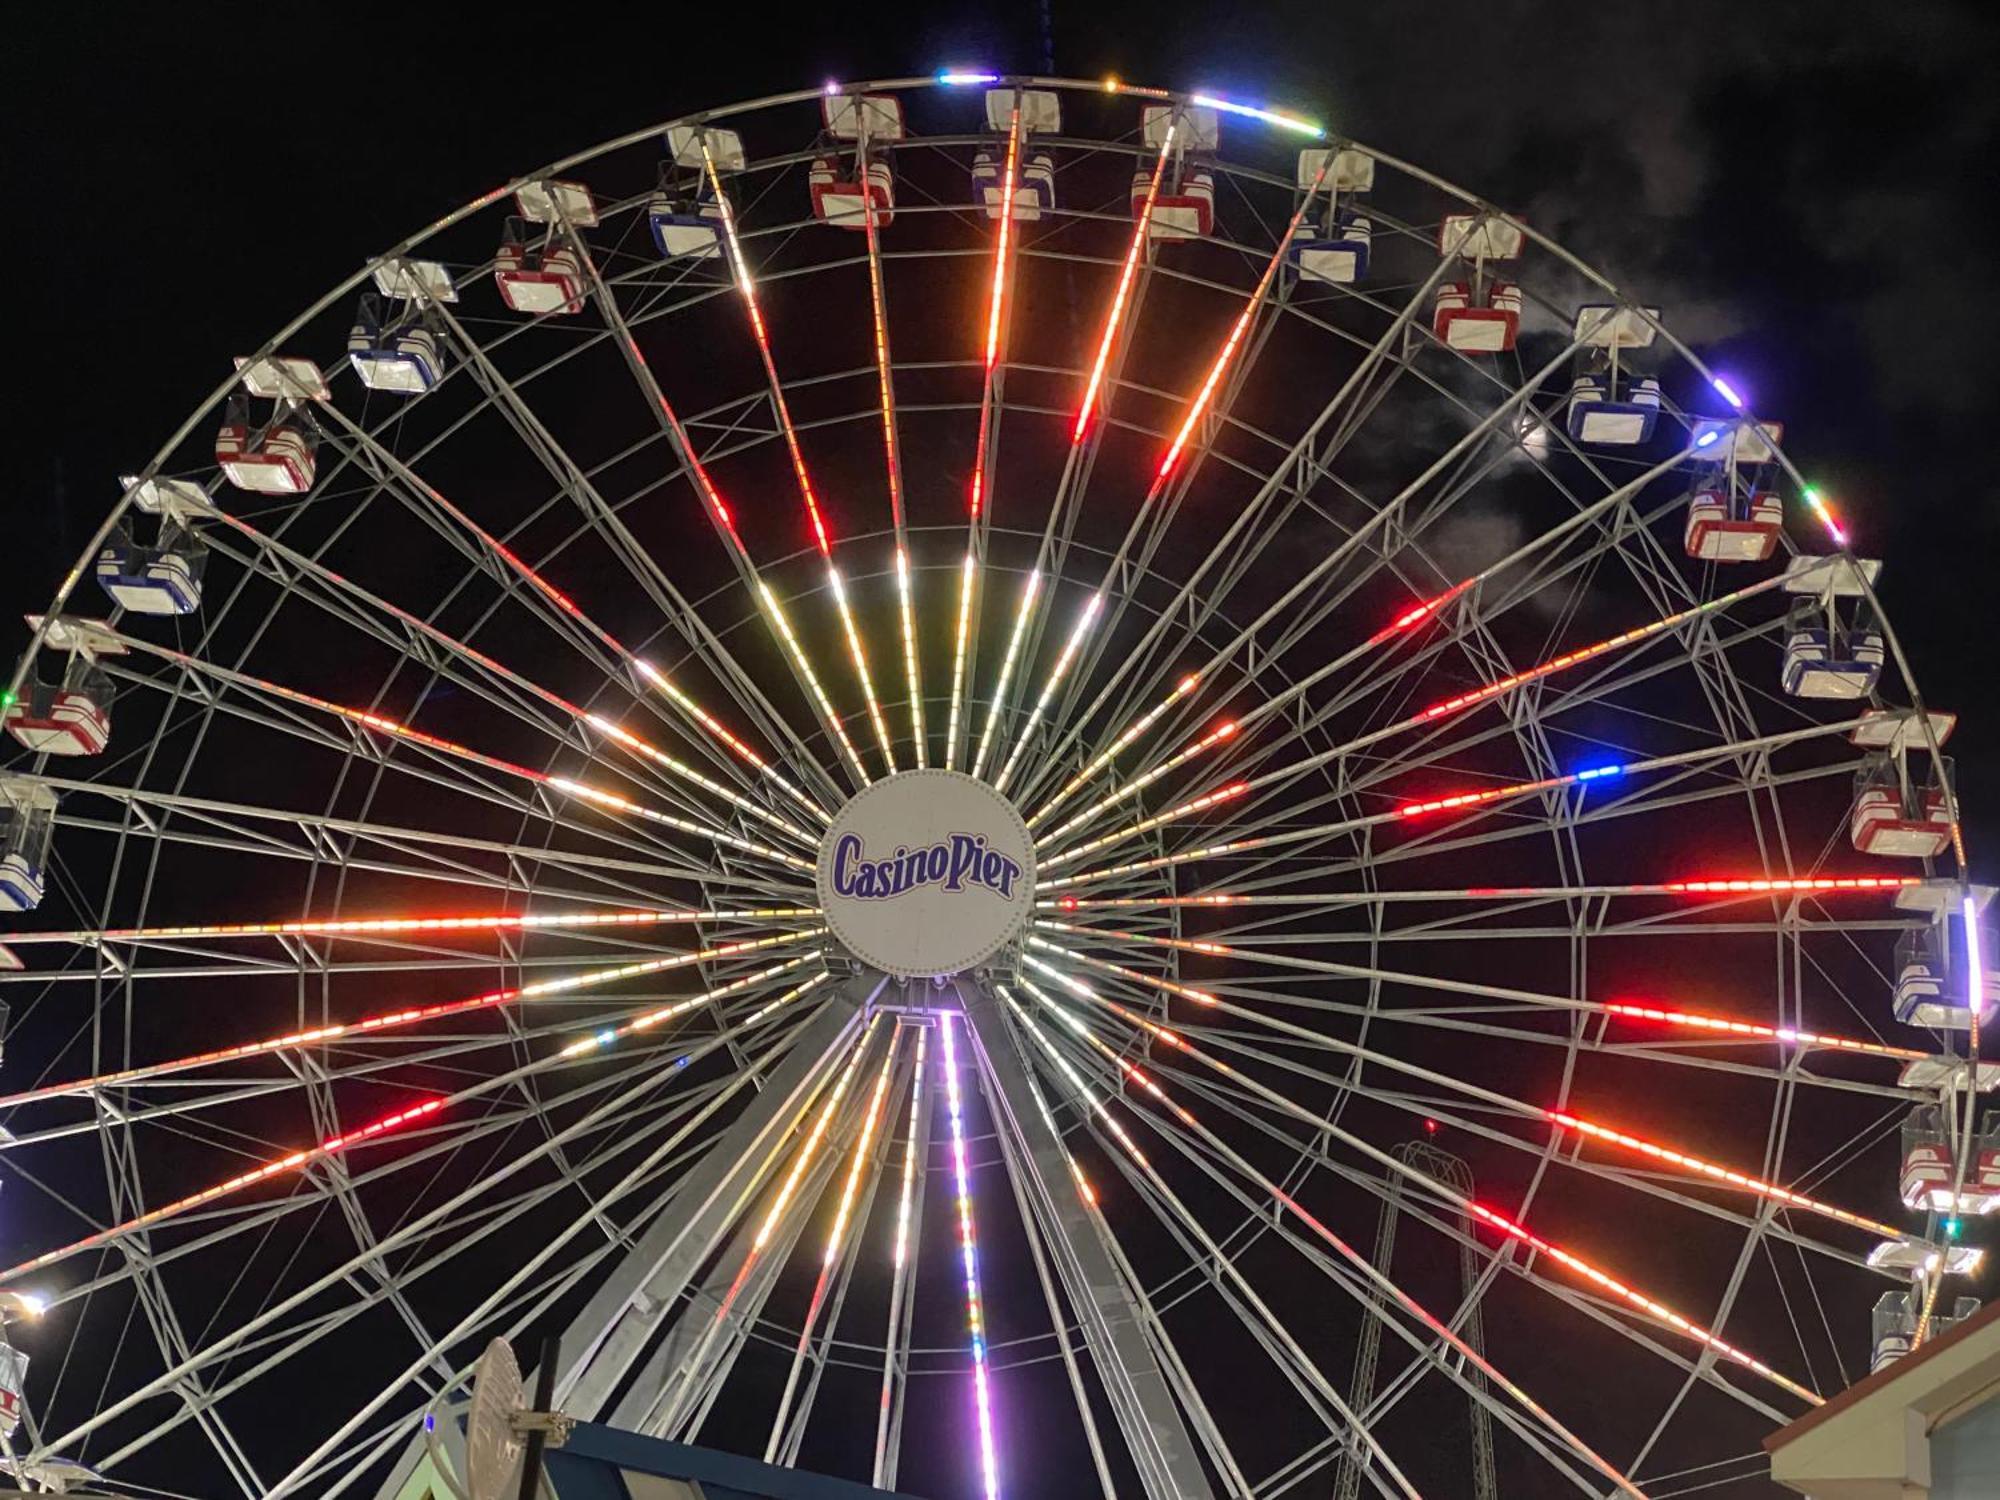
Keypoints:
pixel 545 1397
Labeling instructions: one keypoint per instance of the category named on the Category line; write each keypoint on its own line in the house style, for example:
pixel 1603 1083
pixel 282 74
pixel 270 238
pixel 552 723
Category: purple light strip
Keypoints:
pixel 975 1311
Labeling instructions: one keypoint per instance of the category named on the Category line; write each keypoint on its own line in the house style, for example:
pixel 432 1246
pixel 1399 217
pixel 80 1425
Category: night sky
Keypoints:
pixel 1798 185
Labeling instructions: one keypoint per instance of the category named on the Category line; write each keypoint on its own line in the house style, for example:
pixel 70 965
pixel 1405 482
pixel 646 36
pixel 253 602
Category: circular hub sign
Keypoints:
pixel 927 872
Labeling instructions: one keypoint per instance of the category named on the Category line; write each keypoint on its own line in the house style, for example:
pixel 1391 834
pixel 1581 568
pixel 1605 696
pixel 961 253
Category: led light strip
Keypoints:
pixel 379 926
pixel 1792 1036
pixel 598 1040
pixel 1022 615
pixel 778 618
pixel 1696 1164
pixel 967 577
pixel 1223 731
pixel 1262 116
pixel 1127 274
pixel 1064 660
pixel 416 1015
pixel 1150 981
pixel 747 285
pixel 975 1311
pixel 1187 809
pixel 1804 885
pixel 294 1162
pixel 1444 1190
pixel 1110 753
pixel 811 1147
pixel 1648 1305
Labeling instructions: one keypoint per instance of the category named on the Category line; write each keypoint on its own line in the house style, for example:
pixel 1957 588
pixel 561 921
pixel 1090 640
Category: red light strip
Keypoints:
pixel 892 456
pixel 1111 752
pixel 1187 809
pixel 1787 1034
pixel 1648 1305
pixel 383 926
pixel 1223 731
pixel 411 1016
pixel 1591 652
pixel 294 1162
pixel 1127 273
pixel 1814 885
pixel 1709 1169
pixel 1227 356
pixel 746 284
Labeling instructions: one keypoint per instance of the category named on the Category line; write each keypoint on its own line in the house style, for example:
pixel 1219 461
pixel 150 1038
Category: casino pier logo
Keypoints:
pixel 927 873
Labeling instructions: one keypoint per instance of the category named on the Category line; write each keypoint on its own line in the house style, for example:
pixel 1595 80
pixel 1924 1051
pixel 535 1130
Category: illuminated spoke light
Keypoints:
pixel 910 1154
pixel 1648 1305
pixel 805 668
pixel 975 1312
pixel 1223 731
pixel 1789 1035
pixel 647 1020
pixel 659 680
pixel 1187 809
pixel 619 735
pixel 911 671
pixel 407 1016
pixel 1823 513
pixel 967 581
pixel 1697 1165
pixel 858 653
pixel 1118 746
pixel 365 927
pixel 1127 273
pixel 297 1161
pixel 1070 981
pixel 1021 618
pixel 1064 661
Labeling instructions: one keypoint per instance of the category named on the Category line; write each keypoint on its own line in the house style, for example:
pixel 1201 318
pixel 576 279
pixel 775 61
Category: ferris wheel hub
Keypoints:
pixel 927 872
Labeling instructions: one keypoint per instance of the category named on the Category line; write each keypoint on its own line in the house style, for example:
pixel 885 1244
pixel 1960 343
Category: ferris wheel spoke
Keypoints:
pixel 416 633
pixel 591 503
pixel 723 521
pixel 411 1229
pixel 1299 1363
pixel 1302 458
pixel 1087 430
pixel 1492 1217
pixel 1186 1130
pixel 746 286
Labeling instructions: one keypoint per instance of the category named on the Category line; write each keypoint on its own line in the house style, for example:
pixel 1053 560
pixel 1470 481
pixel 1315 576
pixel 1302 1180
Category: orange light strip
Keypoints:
pixel 1648 1305
pixel 409 1016
pixel 1788 1034
pixel 1223 731
pixel 294 1162
pixel 383 926
pixel 1696 1164
pixel 1187 809
pixel 1111 752
pixel 1127 273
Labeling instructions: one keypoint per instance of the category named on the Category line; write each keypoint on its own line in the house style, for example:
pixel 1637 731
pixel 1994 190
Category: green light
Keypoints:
pixel 8 700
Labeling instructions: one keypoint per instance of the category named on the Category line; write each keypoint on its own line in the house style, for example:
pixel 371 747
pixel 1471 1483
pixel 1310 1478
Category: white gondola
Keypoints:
pixel 1196 127
pixel 158 578
pixel 1726 526
pixel 1930 1165
pixel 1827 654
pixel 401 358
pixel 1899 820
pixel 1895 1325
pixel 685 222
pixel 1352 171
pixel 1609 408
pixel 1041 111
pixel 556 202
pixel 278 458
pixel 1471 324
pixel 841 197
pixel 1034 194
pixel 405 280
pixel 1183 210
pixel 27 824
pixel 850 117
pixel 1339 254
pixel 695 146
pixel 281 378
pixel 538 279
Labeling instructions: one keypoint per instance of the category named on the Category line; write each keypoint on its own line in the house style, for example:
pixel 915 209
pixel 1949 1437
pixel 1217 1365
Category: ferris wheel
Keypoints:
pixel 992 785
